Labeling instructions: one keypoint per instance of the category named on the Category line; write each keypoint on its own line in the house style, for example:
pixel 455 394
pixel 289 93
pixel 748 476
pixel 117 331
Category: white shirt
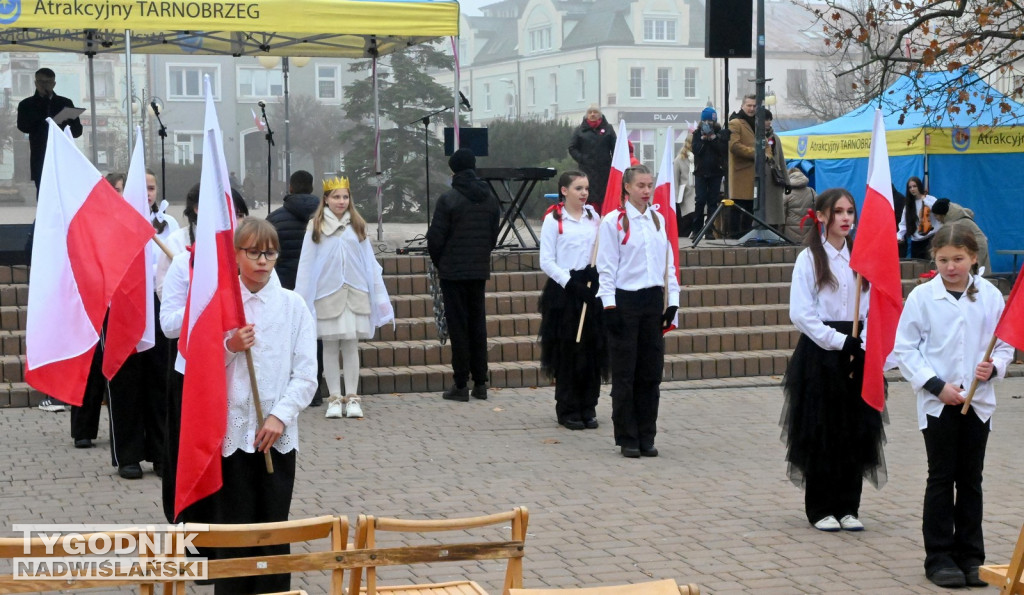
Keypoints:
pixel 901 232
pixel 172 304
pixel 945 337
pixel 571 249
pixel 809 307
pixel 641 262
pixel 284 357
pixel 176 242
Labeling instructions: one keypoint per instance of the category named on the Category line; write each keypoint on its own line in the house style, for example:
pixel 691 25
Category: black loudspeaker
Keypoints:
pixel 728 28
pixel 13 243
pixel 474 139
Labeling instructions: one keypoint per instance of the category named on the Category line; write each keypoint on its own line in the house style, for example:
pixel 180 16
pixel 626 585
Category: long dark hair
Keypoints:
pixel 627 177
pixel 825 203
pixel 958 235
pixel 564 180
pixel 158 225
pixel 910 207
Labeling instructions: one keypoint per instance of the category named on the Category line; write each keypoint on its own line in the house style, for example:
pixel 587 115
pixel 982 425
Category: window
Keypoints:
pixel 103 78
pixel 327 82
pixel 540 39
pixel 531 90
pixel 487 96
pixel 659 29
pixel 690 82
pixel 745 82
pixel 24 77
pixel 259 82
pixel 581 84
pixel 664 78
pixel 188 148
pixel 796 83
pixel 553 83
pixel 636 82
pixel 186 81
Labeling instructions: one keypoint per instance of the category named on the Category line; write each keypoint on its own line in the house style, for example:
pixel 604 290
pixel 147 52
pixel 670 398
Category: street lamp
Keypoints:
pixel 515 95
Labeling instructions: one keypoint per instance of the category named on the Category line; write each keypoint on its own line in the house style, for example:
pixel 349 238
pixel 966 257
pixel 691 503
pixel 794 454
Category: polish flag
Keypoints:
pixel 259 121
pixel 665 203
pixel 130 325
pixel 213 307
pixel 86 239
pixel 620 163
pixel 1011 324
pixel 875 257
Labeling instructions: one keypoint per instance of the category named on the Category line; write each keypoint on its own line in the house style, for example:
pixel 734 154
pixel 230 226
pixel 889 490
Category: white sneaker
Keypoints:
pixel 829 524
pixel 335 408
pixel 352 407
pixel 52 405
pixel 851 523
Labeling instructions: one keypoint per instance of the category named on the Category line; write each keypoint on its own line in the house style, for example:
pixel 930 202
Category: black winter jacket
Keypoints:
pixel 290 221
pixel 32 114
pixel 464 229
pixel 710 157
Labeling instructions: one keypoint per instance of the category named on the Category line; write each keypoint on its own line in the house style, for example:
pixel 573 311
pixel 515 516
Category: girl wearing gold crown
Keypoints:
pixel 343 285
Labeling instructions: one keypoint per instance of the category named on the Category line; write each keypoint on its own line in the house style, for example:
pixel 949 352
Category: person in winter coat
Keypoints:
pixel 774 165
pixel 798 202
pixel 290 221
pixel 710 143
pixel 592 146
pixel 741 161
pixel 948 212
pixel 462 234
pixel 685 194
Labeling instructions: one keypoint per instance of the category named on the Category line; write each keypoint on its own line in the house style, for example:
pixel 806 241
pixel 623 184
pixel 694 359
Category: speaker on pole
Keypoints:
pixel 728 28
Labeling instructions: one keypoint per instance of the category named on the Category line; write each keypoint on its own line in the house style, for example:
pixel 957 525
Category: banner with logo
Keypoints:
pixel 941 141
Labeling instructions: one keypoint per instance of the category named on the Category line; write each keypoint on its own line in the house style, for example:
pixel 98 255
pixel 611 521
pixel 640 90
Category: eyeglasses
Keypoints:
pixel 254 254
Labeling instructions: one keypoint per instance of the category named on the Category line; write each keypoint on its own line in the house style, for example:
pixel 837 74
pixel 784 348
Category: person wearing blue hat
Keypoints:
pixel 710 154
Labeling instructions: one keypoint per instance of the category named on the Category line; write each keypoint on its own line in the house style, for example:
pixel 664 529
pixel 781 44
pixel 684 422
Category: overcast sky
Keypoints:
pixel 472 7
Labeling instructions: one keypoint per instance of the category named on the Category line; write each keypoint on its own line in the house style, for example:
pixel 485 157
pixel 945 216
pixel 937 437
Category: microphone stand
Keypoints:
pixel 426 150
pixel 163 159
pixel 270 143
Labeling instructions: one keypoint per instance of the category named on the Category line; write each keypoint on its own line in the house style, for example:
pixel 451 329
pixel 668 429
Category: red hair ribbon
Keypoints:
pixel 557 210
pixel 812 216
pixel 618 223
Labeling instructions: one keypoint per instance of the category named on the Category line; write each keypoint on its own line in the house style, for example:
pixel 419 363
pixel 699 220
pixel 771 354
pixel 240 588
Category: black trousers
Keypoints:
pixel 576 390
pixel 740 223
pixel 467 329
pixel 837 494
pixel 708 195
pixel 956 458
pixel 85 420
pixel 637 351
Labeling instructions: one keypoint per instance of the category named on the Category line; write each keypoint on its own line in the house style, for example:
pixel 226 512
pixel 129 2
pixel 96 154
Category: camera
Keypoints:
pixel 706 129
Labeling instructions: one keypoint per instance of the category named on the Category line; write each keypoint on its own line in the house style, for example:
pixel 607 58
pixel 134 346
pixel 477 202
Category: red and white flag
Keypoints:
pixel 86 238
pixel 260 125
pixel 665 201
pixel 620 163
pixel 213 307
pixel 130 324
pixel 1011 324
pixel 876 258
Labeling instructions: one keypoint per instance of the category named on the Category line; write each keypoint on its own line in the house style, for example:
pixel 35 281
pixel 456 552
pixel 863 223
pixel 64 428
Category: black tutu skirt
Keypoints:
pixel 826 424
pixel 560 319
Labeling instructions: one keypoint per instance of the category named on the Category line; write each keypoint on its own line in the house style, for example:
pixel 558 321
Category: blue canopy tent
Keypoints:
pixel 976 159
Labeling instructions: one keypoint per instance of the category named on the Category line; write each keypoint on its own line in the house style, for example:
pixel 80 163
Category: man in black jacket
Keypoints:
pixel 290 221
pixel 710 152
pixel 32 114
pixel 461 236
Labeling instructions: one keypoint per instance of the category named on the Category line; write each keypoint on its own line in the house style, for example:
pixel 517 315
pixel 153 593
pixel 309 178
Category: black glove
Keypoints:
pixel 789 189
pixel 577 284
pixel 590 274
pixel 853 346
pixel 668 317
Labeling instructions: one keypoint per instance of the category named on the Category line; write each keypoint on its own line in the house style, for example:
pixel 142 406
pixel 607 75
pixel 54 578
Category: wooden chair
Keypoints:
pixel 12 548
pixel 512 550
pixel 663 587
pixel 263 534
pixel 1007 577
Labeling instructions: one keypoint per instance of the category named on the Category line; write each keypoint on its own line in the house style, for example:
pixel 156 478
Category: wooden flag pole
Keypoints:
pixel 259 407
pixel 856 307
pixel 974 383
pixel 583 312
pixel 163 247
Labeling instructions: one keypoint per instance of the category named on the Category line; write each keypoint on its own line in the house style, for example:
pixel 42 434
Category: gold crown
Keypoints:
pixel 333 184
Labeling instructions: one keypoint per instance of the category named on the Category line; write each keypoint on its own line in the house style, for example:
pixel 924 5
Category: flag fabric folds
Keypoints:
pixel 130 325
pixel 1011 326
pixel 620 163
pixel 875 257
pixel 213 307
pixel 86 238
pixel 260 125
pixel 665 202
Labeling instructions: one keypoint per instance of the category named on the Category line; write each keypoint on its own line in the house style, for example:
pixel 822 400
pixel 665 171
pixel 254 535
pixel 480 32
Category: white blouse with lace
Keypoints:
pixel 284 357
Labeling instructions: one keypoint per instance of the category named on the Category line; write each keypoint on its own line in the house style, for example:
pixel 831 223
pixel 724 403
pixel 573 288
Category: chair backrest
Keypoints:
pixel 86 545
pixel 265 534
pixel 512 549
pixel 662 587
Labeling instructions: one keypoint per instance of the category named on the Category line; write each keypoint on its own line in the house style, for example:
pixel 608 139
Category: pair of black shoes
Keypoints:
pixel 636 453
pixel 952 577
pixel 83 443
pixel 130 471
pixel 575 424
pixel 455 393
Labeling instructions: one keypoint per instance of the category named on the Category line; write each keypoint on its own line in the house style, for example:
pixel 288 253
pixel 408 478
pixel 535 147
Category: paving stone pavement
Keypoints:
pixel 715 508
